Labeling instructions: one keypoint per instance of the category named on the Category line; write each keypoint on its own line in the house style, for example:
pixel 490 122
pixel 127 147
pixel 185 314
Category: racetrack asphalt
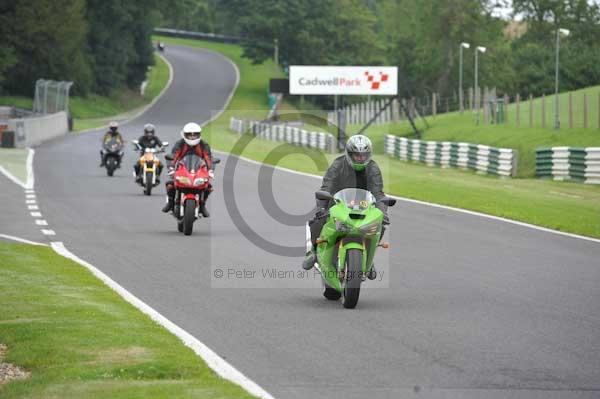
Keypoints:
pixel 468 307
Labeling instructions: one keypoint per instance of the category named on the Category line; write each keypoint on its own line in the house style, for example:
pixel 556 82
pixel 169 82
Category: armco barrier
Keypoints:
pixel 35 130
pixel 282 132
pixel 213 37
pixel 569 163
pixel 481 158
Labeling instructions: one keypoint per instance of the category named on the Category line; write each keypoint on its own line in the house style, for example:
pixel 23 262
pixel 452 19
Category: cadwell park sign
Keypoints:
pixel 343 80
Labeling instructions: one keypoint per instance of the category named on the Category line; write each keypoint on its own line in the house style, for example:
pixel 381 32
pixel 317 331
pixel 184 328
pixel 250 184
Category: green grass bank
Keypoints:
pixel 79 339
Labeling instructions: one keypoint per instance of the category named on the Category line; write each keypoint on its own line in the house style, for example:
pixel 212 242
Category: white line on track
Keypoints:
pixel 214 361
pixel 22 240
pixel 48 232
pixel 424 203
pixel 30 196
pixel 33 207
pixel 36 214
pixel 41 222
pixel 30 201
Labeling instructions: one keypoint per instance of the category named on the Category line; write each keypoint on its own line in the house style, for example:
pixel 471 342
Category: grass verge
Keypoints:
pixel 78 338
pixel 95 111
pixel 567 207
pixel 14 161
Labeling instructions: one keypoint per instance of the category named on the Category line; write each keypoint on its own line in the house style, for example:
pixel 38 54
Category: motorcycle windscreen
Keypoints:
pixel 355 198
pixel 112 144
pixel 193 162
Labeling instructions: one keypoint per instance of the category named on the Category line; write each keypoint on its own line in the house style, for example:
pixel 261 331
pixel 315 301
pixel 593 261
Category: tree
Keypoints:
pixel 47 40
pixel 119 42
pixel 193 15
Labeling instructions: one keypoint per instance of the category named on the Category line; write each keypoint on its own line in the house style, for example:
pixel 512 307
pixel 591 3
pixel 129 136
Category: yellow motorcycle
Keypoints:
pixel 149 166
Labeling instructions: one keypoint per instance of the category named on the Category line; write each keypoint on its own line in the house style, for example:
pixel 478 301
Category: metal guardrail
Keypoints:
pixel 215 37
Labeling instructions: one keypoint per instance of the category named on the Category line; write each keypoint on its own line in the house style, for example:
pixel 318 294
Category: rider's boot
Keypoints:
pixel 102 163
pixel 309 260
pixel 170 197
pixel 169 205
pixel 372 274
pixel 203 209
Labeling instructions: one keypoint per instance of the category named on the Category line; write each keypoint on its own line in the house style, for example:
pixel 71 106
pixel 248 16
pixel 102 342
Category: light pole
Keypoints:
pixel 565 32
pixel 460 76
pixel 477 94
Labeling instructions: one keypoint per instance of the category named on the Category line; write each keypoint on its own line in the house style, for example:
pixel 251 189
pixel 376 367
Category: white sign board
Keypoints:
pixel 354 80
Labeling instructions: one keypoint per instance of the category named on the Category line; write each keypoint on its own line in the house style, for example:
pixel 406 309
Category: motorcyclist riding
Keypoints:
pixel 147 140
pixel 113 133
pixel 354 169
pixel 190 141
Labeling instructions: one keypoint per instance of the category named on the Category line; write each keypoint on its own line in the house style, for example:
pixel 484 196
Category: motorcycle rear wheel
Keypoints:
pixel 352 279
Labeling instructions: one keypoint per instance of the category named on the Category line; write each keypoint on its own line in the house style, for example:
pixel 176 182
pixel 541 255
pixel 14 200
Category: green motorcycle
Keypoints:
pixel 348 242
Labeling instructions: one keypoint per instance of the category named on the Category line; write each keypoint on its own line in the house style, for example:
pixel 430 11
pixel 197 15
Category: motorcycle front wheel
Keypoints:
pixel 189 215
pixel 111 165
pixel 148 186
pixel 352 278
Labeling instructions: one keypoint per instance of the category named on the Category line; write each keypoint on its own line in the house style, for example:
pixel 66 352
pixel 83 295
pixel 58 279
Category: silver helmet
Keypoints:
pixel 149 129
pixel 358 151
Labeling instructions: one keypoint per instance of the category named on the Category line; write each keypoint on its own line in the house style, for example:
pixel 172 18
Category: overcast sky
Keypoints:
pixel 505 12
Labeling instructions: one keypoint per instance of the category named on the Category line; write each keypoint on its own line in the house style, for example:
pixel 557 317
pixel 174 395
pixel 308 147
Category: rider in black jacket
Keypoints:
pixel 354 169
pixel 147 140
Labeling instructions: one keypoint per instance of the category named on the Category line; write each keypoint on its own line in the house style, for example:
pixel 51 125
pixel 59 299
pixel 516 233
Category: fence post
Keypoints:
pixel 485 103
pixel 518 117
pixel 433 105
pixel 530 110
pixel 543 110
pixel 570 110
pixel 470 99
pixel 447 106
pixel 585 111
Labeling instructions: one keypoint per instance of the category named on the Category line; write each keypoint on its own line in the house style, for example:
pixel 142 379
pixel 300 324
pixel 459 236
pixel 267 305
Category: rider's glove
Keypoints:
pixel 386 220
pixel 171 171
pixel 321 212
pixel 211 174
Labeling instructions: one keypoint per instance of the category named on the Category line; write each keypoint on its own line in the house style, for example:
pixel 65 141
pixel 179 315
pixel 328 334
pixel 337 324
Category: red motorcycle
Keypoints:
pixel 191 178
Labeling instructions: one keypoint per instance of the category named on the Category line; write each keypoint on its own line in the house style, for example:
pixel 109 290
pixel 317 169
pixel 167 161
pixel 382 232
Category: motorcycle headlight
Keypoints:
pixel 199 181
pixel 342 227
pixel 370 229
pixel 183 179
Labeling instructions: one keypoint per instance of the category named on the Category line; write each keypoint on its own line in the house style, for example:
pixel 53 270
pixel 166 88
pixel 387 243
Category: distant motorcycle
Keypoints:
pixel 112 153
pixel 191 177
pixel 149 166
pixel 160 46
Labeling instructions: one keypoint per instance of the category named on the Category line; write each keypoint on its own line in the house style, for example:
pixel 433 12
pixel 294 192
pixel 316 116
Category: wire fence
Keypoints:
pixel 579 109
pixel 51 96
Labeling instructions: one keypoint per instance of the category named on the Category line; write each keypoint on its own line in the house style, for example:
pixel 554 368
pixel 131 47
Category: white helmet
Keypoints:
pixel 191 133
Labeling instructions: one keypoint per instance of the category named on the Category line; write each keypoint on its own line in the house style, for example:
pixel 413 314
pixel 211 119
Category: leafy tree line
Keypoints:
pixel 99 44
pixel 420 36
